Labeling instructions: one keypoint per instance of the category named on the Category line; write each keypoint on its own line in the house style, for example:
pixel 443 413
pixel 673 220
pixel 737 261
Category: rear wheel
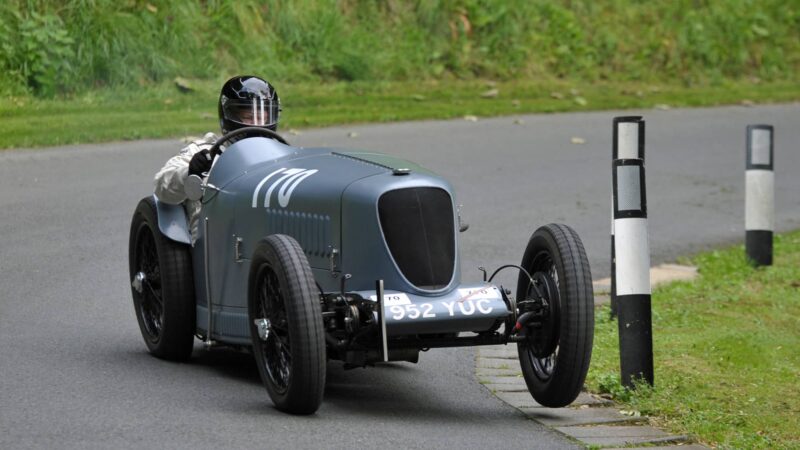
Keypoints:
pixel 162 286
pixel 555 356
pixel 286 325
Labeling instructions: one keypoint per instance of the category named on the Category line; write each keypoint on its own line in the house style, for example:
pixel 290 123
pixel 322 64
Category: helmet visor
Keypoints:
pixel 256 112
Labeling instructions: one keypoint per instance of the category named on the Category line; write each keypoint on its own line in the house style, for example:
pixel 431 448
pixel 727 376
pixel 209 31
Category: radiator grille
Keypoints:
pixel 417 224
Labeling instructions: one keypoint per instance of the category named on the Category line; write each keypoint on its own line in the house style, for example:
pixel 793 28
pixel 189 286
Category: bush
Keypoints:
pixel 37 51
pixel 60 46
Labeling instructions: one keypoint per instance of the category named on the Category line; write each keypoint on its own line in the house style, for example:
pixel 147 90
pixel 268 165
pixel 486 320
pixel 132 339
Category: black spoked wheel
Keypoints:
pixel 276 348
pixel 151 302
pixel 286 325
pixel 555 356
pixel 162 286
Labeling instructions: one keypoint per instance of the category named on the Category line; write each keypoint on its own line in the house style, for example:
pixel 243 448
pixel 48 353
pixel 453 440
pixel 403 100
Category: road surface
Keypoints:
pixel 74 372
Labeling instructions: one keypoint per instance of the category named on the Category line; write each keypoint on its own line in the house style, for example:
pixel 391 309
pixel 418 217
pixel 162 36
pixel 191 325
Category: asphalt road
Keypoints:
pixel 74 372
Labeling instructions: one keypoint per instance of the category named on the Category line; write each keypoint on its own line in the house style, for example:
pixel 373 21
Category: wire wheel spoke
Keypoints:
pixel 151 302
pixel 544 367
pixel 276 351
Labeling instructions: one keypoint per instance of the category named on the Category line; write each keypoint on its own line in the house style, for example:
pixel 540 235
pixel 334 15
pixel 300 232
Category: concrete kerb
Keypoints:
pixel 591 420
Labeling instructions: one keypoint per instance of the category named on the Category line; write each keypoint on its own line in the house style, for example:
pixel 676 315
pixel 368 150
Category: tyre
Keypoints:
pixel 556 353
pixel 162 285
pixel 286 325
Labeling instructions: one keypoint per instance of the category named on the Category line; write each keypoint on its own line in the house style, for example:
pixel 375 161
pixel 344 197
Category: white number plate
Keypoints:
pixel 476 301
pixel 468 307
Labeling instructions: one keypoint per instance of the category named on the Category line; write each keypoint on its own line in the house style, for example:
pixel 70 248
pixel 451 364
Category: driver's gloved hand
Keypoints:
pixel 200 163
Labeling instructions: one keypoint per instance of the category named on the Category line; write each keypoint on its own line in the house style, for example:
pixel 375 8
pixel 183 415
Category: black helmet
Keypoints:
pixel 247 101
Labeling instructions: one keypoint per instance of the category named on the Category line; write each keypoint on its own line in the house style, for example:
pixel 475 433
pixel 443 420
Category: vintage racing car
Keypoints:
pixel 312 254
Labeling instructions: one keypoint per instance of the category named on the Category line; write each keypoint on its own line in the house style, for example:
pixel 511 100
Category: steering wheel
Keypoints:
pixel 265 132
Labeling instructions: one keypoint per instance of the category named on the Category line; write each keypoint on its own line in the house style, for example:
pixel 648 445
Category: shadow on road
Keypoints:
pixel 228 363
pixel 393 390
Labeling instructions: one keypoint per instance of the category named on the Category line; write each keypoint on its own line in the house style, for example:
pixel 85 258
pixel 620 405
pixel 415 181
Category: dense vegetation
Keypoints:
pixel 49 47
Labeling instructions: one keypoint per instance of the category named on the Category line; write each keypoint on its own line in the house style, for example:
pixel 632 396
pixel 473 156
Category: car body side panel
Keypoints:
pixel 325 199
pixel 298 194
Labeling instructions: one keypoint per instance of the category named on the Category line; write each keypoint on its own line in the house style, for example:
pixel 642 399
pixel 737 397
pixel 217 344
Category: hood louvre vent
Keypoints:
pixel 363 160
pixel 418 227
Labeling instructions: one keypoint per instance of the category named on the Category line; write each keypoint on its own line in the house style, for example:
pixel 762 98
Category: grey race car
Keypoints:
pixel 306 255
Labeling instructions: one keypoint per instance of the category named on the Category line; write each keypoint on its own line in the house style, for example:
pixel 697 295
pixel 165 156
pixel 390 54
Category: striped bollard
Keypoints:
pixel 759 219
pixel 631 252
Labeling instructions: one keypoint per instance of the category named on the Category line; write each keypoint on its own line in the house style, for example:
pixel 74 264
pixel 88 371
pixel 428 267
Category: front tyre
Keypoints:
pixel 286 325
pixel 162 286
pixel 555 356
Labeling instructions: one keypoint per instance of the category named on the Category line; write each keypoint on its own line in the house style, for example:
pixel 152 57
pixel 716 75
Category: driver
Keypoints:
pixel 244 101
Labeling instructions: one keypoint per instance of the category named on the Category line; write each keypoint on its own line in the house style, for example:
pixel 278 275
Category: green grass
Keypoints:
pixel 74 71
pixel 162 111
pixel 48 47
pixel 727 352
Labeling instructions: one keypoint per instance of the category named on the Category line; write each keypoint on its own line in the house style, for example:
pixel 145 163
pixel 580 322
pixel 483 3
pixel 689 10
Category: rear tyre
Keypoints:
pixel 555 356
pixel 286 325
pixel 162 286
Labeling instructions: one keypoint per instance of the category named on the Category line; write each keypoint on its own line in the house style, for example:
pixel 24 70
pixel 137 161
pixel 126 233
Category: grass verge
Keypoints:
pixel 162 111
pixel 727 352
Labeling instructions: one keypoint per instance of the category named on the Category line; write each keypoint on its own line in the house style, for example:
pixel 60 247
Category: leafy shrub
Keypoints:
pixel 37 51
pixel 51 46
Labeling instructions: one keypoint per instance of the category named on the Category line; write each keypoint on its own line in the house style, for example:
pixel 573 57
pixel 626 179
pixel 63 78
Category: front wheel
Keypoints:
pixel 556 353
pixel 286 325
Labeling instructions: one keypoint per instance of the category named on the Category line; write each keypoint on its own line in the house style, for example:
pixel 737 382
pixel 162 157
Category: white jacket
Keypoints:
pixel 170 179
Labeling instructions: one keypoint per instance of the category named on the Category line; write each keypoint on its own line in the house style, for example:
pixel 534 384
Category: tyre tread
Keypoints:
pixel 577 319
pixel 307 382
pixel 177 284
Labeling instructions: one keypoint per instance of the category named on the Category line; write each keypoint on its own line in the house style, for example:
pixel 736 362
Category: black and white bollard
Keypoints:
pixel 631 252
pixel 759 219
